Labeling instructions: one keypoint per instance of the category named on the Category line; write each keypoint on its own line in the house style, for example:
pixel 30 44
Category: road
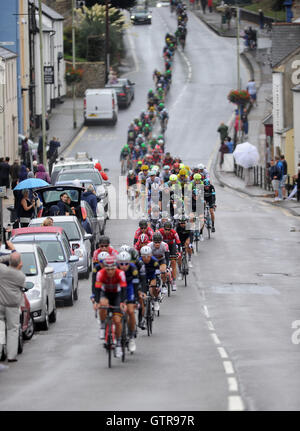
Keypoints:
pixel 225 341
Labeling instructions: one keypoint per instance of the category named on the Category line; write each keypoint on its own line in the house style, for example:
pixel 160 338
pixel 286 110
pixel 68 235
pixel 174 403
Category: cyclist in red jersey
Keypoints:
pixel 103 245
pixel 143 240
pixel 143 228
pixel 170 236
pixel 110 288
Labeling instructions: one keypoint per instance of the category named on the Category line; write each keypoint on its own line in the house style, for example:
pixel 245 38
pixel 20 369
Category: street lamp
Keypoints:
pixel 107 45
pixel 73 63
pixel 42 86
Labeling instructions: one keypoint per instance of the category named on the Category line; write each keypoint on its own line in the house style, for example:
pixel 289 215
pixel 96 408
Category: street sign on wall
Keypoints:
pixel 49 74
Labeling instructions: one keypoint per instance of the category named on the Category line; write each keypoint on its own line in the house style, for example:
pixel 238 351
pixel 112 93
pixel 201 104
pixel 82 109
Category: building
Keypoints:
pixel 285 59
pixel 8 104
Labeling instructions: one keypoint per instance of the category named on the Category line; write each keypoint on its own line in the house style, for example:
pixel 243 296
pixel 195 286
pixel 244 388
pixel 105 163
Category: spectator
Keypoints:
pixel 48 222
pixel 52 153
pixel 210 5
pixel 229 144
pixel 25 151
pixel 223 149
pixel 244 121
pixel 102 173
pixel 34 167
pixel 203 4
pixel 23 173
pixel 280 167
pixel 12 281
pixel 228 16
pixel 26 209
pixel 284 176
pixel 251 88
pixel 275 177
pixel 261 19
pixel 90 197
pixel 42 174
pixel 14 173
pixel 223 131
pixel 112 76
pixel 64 207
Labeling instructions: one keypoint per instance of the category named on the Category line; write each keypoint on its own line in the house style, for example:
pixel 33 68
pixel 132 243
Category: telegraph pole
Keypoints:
pixel 238 46
pixel 107 45
pixel 42 86
pixel 73 64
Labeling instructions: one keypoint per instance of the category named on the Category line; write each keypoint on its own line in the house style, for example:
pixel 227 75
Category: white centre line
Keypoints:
pixel 210 325
pixel 222 352
pixel 235 403
pixel 215 338
pixel 206 311
pixel 232 384
pixel 228 367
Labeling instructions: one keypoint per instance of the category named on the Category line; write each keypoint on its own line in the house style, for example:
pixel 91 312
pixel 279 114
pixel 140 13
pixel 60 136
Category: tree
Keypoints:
pixel 277 5
pixel 120 4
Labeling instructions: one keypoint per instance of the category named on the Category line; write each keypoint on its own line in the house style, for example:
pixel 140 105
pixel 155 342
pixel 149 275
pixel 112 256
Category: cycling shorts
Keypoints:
pixel 173 250
pixel 131 299
pixel 162 261
pixel 150 276
pixel 114 299
pixel 209 201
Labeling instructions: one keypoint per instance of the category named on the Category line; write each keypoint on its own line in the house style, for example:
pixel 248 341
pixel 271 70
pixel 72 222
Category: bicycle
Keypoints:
pixel 110 333
pixel 207 219
pixel 149 312
pixel 184 265
pixel 169 280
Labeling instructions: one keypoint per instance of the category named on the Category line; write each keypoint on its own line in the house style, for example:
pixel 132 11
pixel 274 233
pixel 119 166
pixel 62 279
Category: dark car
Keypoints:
pixel 140 15
pixel 125 91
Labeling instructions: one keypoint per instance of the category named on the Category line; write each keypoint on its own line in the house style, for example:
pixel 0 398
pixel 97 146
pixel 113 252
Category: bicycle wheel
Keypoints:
pixel 148 317
pixel 184 269
pixel 124 338
pixel 169 287
pixel 108 332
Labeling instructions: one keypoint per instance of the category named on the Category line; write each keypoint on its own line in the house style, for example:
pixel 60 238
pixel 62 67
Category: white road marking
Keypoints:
pixel 228 367
pixel 210 325
pixel 222 352
pixel 232 384
pixel 215 338
pixel 206 311
pixel 235 403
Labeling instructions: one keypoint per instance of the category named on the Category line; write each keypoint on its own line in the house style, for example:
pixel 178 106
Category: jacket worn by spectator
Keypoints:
pixel 12 281
pixel 91 199
pixel 42 174
pixel 275 173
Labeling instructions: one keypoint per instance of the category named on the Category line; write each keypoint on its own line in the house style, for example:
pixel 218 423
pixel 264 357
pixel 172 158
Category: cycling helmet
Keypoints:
pixel 150 91
pixel 160 141
pixel 101 256
pixel 197 177
pixel 166 167
pixel 144 238
pixel 173 177
pixel 206 182
pixel 104 240
pixel 146 251
pixel 124 257
pixel 136 147
pixel 176 165
pixel 143 223
pixel 143 145
pixel 110 262
pixel 140 162
pixel 182 172
pixel 124 247
pixel 155 168
pixel 200 166
pixel 151 173
pixel 130 172
pixel 181 165
pixel 168 225
pixel 145 168
pixel 157 237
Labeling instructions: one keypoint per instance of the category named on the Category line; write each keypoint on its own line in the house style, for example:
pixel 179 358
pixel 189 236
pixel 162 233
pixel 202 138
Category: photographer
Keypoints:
pixel 26 209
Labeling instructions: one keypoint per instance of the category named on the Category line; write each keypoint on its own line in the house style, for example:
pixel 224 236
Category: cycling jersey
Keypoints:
pixel 170 237
pixel 131 181
pixel 111 251
pixel 151 268
pixel 160 253
pixel 138 245
pixel 142 177
pixel 139 232
pixel 183 234
pixel 210 195
pixel 133 281
pixel 114 285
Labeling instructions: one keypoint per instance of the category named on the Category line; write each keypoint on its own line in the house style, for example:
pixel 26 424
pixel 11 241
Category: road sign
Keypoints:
pixel 49 74
pixel 2 191
pixel 7 43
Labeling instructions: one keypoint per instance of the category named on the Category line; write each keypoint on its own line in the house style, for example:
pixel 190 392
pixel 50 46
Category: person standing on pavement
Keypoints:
pixel 90 197
pixel 203 4
pixel 42 174
pixel 52 153
pixel 12 281
pixel 14 173
pixel 229 144
pixel 223 131
pixel 275 177
pixel 280 168
pixel 223 150
pixel 210 5
pixel 26 209
pixel 25 151
pixel 261 19
pixel 251 88
pixel 228 16
pixel 284 176
pixel 245 125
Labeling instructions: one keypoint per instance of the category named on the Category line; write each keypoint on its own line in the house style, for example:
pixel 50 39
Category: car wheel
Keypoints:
pixel 45 324
pixel 76 293
pixel 115 119
pixel 27 335
pixel 3 354
pixel 70 301
pixel 53 315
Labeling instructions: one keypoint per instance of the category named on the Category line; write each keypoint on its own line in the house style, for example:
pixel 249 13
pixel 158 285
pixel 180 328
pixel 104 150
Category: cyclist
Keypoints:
pixel 143 228
pixel 170 236
pixel 160 250
pixel 176 169
pixel 143 240
pixel 138 168
pixel 154 217
pixel 196 186
pixel 152 272
pixel 124 156
pixel 164 118
pixel 168 160
pixel 102 246
pixel 203 171
pixel 210 199
pixel 110 290
pixel 185 239
pixel 165 174
pixel 133 286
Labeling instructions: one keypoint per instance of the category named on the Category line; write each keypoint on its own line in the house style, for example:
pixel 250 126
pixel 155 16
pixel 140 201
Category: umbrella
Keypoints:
pixel 31 183
pixel 246 155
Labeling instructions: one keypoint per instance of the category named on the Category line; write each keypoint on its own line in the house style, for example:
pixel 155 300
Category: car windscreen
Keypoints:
pixel 54 195
pixel 29 264
pixel 52 250
pixel 70 228
pixel 93 177
pixel 80 165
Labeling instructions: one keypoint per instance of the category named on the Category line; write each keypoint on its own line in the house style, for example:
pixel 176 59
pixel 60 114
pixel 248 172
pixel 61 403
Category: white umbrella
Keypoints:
pixel 246 155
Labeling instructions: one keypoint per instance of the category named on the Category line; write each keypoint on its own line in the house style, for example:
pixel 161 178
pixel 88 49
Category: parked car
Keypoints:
pixel 80 161
pixel 79 240
pixel 125 91
pixel 140 15
pixel 100 104
pixel 85 177
pixel 55 245
pixel 42 295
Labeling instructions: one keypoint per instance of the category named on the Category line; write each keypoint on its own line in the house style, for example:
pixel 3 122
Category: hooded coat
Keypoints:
pixel 42 174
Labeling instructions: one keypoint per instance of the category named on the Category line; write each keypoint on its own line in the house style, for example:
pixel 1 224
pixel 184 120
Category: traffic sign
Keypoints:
pixel 49 74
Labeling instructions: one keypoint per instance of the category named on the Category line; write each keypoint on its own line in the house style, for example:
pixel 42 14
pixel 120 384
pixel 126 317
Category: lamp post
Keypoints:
pixel 107 44
pixel 42 86
pixel 73 64
pixel 238 63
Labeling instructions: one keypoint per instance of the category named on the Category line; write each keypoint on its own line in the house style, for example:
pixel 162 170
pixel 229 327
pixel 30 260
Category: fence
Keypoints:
pixel 259 177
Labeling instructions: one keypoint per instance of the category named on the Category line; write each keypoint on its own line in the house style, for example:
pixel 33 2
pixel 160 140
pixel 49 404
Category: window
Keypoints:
pixel 29 267
pixel 43 261
pixel 93 177
pixel 52 250
pixel 70 228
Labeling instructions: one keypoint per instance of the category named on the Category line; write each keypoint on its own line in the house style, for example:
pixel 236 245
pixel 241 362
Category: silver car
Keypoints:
pixel 42 295
pixel 79 240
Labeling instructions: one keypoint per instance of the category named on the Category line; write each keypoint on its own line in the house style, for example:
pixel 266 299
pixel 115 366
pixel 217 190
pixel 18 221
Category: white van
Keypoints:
pixel 100 104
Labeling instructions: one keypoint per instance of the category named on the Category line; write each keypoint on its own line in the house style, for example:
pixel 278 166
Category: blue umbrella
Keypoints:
pixel 31 183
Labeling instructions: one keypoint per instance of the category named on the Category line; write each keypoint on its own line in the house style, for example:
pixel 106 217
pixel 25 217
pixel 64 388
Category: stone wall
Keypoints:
pixel 93 77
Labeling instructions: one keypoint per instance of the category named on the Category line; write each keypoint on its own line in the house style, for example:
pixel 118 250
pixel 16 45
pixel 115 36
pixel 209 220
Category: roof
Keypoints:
pixel 37 229
pixel 51 13
pixel 6 54
pixel 69 218
pixel 25 247
pixel 285 40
